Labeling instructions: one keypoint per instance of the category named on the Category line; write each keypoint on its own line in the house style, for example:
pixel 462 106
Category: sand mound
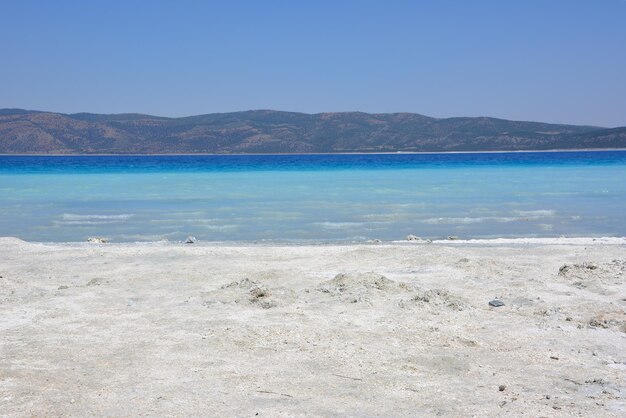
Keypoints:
pixel 434 298
pixel 362 287
pixel 580 271
pixel 591 270
pixel 12 241
pixel 249 292
pixel 594 277
pixel 615 319
pixel 371 287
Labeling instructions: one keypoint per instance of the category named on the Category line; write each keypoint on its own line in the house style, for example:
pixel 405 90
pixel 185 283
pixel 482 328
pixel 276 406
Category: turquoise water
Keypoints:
pixel 318 198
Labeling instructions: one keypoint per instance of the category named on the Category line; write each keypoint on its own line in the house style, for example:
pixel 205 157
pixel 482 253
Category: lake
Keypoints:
pixel 313 198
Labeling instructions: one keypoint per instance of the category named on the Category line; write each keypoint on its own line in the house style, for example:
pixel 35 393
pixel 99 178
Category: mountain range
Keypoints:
pixel 269 131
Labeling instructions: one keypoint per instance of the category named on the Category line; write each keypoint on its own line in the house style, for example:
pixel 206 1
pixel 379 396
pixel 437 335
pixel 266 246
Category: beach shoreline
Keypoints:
pixel 376 329
pixel 416 241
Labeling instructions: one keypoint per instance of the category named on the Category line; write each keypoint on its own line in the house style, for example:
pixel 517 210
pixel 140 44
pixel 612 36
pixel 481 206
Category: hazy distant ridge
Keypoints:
pixel 268 131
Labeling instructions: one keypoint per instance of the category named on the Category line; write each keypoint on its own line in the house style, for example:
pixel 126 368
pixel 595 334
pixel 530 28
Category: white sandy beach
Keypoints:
pixel 357 330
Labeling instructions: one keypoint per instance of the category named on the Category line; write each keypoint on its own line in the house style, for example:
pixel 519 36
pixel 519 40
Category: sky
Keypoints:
pixel 560 61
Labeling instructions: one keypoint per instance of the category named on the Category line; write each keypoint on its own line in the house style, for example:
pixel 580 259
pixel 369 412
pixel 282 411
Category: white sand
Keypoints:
pixel 126 330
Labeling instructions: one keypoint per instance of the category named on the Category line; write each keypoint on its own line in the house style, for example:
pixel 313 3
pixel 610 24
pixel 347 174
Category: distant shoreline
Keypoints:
pixel 316 153
pixel 479 242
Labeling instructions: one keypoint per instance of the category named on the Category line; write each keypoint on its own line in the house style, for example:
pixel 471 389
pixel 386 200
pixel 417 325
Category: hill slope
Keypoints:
pixel 267 131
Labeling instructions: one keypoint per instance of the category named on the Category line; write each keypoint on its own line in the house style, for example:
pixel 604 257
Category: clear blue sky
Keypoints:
pixel 546 60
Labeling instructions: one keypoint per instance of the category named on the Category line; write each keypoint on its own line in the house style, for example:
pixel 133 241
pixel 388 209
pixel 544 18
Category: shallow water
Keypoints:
pixel 313 197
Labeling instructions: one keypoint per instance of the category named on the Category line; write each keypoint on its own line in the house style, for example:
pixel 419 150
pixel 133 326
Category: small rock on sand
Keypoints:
pixel 496 303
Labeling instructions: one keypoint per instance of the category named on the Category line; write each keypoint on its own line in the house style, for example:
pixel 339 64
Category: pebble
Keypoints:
pixel 501 388
pixel 496 303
